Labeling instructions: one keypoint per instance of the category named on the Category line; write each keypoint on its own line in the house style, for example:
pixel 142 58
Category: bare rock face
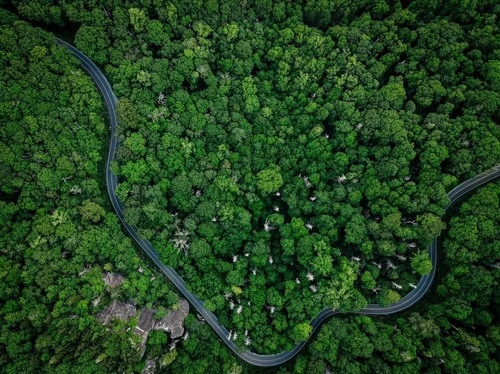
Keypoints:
pixel 113 280
pixel 117 309
pixel 173 322
pixel 146 320
pixel 146 323
pixel 150 367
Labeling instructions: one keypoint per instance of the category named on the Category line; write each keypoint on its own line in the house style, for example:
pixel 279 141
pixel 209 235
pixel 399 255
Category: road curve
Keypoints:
pixel 404 303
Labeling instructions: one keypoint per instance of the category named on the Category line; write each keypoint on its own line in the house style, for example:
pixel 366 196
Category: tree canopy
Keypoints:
pixel 282 156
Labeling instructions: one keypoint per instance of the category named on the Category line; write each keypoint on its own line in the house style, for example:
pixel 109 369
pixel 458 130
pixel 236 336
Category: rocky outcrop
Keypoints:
pixel 117 309
pixel 146 320
pixel 146 323
pixel 173 322
pixel 113 280
pixel 150 367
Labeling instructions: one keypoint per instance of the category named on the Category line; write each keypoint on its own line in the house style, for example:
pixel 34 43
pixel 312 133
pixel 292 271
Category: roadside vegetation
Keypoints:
pixel 282 157
pixel 58 234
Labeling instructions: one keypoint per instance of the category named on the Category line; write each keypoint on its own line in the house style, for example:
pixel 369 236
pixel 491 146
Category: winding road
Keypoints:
pixel 404 303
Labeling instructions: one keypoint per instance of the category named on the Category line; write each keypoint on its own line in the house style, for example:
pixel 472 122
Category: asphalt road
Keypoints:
pixel 404 303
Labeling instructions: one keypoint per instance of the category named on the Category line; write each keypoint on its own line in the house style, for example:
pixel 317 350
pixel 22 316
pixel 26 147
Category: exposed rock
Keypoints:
pixel 171 323
pixel 174 320
pixel 117 309
pixel 150 367
pixel 113 280
pixel 146 323
pixel 146 320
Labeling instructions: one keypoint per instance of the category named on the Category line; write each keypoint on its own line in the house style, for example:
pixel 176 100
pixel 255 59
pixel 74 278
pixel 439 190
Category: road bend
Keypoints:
pixel 404 303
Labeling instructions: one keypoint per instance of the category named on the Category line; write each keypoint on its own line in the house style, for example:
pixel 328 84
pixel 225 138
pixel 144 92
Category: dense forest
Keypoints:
pixel 58 234
pixel 282 156
pixel 456 330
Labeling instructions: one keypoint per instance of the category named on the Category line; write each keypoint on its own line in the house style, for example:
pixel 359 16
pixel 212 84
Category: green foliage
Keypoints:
pixel 321 138
pixel 168 358
pixel 269 180
pixel 91 211
pixel 444 330
pixel 301 331
pixel 56 236
pixel 360 114
pixel 421 263
pixel 388 297
pixel 94 41
pixel 138 18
